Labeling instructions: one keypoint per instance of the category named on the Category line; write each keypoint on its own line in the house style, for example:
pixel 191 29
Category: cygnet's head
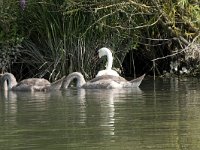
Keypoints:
pixel 103 51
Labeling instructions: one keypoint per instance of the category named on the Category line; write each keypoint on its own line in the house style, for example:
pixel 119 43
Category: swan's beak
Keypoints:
pixel 96 57
pixel 97 53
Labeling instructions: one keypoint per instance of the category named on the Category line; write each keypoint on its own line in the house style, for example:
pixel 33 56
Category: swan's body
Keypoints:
pixel 8 82
pixel 101 82
pixel 108 71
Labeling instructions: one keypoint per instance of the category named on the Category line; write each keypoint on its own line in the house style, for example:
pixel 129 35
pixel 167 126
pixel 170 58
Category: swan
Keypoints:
pixel 101 82
pixel 8 82
pixel 108 71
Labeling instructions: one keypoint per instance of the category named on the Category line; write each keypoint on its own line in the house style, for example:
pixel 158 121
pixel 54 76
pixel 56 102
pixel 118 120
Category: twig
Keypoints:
pixel 138 27
pixel 179 51
pixel 97 22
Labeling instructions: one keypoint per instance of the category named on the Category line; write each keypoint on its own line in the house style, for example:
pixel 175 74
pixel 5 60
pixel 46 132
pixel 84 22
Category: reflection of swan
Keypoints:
pixel 108 71
pixel 103 103
pixel 101 82
pixel 8 81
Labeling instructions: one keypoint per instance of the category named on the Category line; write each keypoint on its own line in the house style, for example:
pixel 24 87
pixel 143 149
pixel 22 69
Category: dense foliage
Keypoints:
pixel 55 37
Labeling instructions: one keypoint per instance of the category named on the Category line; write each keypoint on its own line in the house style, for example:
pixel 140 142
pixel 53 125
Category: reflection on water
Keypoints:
pixel 162 114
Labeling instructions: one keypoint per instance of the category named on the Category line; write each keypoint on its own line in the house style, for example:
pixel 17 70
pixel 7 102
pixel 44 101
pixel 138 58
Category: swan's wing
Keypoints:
pixel 105 82
pixel 32 84
pixel 102 84
pixel 35 82
pixel 109 81
pixel 108 77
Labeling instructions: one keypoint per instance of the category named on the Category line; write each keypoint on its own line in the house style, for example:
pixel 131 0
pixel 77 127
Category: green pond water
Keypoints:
pixel 161 114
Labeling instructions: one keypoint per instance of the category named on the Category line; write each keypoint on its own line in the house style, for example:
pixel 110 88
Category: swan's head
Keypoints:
pixel 106 52
pixel 103 51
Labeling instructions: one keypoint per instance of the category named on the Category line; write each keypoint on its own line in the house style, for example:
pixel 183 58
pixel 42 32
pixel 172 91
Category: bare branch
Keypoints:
pixel 183 50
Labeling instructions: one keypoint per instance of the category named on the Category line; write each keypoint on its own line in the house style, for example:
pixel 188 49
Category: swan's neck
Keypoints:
pixel 8 81
pixel 109 60
pixel 71 77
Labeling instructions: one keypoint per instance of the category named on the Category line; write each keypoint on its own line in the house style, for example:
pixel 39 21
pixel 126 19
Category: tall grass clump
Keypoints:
pixel 66 33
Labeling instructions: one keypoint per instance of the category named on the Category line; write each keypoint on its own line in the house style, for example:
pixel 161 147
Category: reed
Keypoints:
pixel 67 36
